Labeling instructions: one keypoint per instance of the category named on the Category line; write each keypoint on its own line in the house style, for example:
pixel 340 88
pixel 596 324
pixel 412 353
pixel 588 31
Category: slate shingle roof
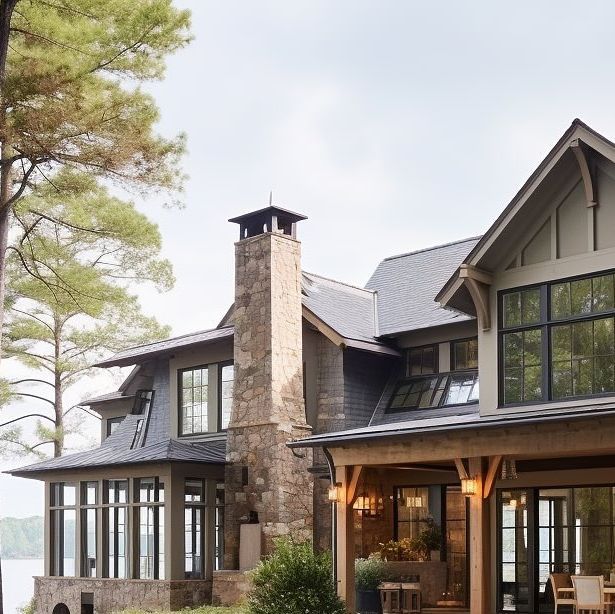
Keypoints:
pixel 408 284
pixel 158 348
pixel 116 450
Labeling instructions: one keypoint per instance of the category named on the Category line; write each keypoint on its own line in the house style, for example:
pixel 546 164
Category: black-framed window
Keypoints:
pixel 219 527
pixel 226 382
pixel 149 495
pixel 193 400
pixel 557 340
pixel 464 354
pixel 430 391
pixel 422 360
pixel 63 512
pixel 195 497
pixel 116 528
pixel 89 525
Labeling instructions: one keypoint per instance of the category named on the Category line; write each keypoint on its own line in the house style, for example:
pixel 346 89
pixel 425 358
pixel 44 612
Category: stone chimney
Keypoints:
pixel 264 477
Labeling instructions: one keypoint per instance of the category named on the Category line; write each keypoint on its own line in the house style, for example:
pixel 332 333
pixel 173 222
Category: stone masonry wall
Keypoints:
pixel 264 475
pixel 114 595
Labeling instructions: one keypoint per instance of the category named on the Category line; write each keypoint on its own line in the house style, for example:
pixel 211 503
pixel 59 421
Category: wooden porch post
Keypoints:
pixel 345 540
pixel 480 579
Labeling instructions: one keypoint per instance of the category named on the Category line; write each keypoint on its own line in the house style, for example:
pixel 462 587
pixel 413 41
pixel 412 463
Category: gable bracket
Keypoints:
pixel 478 282
pixel 587 172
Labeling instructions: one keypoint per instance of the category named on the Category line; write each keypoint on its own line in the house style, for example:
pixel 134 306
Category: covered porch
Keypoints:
pixel 501 535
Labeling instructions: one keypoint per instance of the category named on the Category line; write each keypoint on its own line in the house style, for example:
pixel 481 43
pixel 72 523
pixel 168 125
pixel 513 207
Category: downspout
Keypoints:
pixel 333 517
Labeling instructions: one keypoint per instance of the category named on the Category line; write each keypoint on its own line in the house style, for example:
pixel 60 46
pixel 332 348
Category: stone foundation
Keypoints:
pixel 112 595
pixel 229 587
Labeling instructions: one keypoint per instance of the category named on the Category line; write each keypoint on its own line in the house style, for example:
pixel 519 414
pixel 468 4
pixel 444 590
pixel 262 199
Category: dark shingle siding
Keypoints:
pixel 408 284
pixel 159 421
pixel 365 376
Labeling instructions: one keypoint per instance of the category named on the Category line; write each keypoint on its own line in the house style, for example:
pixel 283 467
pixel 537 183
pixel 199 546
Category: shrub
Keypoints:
pixel 428 539
pixel 369 573
pixel 294 580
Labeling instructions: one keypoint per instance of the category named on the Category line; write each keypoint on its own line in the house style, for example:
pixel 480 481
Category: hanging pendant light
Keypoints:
pixel 509 469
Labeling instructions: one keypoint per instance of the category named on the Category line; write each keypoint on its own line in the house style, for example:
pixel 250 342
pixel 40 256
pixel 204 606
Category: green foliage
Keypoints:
pixel 21 538
pixel 29 608
pixel 78 255
pixel 428 539
pixel 205 609
pixel 369 573
pixel 294 580
pixel 70 89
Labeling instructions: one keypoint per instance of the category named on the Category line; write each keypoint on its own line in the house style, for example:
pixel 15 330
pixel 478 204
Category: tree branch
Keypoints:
pixel 28 416
pixel 35 396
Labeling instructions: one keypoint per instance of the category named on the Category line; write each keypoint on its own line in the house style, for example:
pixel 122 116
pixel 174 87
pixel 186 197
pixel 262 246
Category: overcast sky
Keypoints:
pixel 393 125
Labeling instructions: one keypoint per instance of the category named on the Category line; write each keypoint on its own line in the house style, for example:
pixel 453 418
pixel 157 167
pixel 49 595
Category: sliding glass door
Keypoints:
pixel 546 530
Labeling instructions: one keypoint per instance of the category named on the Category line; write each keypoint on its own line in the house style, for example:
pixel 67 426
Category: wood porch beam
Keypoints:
pixel 480 548
pixel 494 466
pixel 351 494
pixel 461 469
pixel 591 188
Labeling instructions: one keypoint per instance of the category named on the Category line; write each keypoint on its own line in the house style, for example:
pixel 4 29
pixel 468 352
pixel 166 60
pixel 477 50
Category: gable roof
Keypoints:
pixel 577 130
pixel 407 286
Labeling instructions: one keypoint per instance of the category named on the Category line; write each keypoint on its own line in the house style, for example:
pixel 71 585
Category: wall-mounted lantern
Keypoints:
pixel 468 486
pixel 335 492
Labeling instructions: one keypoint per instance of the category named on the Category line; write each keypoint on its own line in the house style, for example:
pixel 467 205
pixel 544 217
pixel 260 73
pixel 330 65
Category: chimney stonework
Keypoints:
pixel 263 474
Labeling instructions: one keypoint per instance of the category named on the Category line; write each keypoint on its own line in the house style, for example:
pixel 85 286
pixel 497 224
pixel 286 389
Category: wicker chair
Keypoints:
pixel 560 582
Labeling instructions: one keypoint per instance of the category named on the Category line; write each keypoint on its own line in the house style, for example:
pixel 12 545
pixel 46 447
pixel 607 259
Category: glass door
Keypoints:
pixel 515 557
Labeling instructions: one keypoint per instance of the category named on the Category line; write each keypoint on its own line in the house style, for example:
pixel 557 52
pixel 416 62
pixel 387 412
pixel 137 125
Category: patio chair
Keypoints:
pixel 563 591
pixel 589 594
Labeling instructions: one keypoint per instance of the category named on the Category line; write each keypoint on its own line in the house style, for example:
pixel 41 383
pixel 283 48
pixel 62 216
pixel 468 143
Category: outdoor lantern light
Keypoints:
pixel 468 486
pixel 414 501
pixel 334 492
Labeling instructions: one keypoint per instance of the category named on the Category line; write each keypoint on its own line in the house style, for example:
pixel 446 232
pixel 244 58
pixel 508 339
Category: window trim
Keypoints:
pixel 436 358
pixel 452 352
pixel 221 365
pixel 180 372
pixel 545 324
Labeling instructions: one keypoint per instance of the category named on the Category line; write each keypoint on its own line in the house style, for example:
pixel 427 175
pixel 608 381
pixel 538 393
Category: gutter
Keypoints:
pixel 497 422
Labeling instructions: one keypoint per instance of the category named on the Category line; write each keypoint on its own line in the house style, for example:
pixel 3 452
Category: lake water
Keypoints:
pixel 18 583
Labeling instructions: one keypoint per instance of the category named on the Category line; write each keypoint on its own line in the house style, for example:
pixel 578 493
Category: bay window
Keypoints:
pixel 557 340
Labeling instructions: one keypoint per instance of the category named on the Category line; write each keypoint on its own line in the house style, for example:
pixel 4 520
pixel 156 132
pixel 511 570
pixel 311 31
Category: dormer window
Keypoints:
pixel 557 340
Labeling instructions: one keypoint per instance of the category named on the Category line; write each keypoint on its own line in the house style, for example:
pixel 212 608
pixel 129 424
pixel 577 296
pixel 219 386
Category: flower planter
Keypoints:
pixel 368 601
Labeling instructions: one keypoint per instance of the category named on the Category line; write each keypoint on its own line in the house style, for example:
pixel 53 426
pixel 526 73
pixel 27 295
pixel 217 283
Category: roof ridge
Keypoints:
pixel 341 283
pixel 433 247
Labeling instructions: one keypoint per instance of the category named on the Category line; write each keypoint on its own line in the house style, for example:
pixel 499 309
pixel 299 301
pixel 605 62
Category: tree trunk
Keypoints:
pixel 6 12
pixel 58 440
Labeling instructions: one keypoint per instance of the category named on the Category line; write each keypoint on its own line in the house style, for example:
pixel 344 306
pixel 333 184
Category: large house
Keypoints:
pixel 351 415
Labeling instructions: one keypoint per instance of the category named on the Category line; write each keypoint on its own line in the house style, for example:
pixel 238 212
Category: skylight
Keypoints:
pixel 438 390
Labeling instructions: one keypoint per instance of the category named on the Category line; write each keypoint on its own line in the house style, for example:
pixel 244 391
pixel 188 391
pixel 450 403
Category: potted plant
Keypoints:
pixel 369 573
pixel 429 541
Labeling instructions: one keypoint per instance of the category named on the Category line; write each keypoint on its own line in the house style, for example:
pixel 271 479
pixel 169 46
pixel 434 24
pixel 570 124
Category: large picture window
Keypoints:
pixel 63 528
pixel 558 340
pixel 116 497
pixel 89 524
pixel 150 514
